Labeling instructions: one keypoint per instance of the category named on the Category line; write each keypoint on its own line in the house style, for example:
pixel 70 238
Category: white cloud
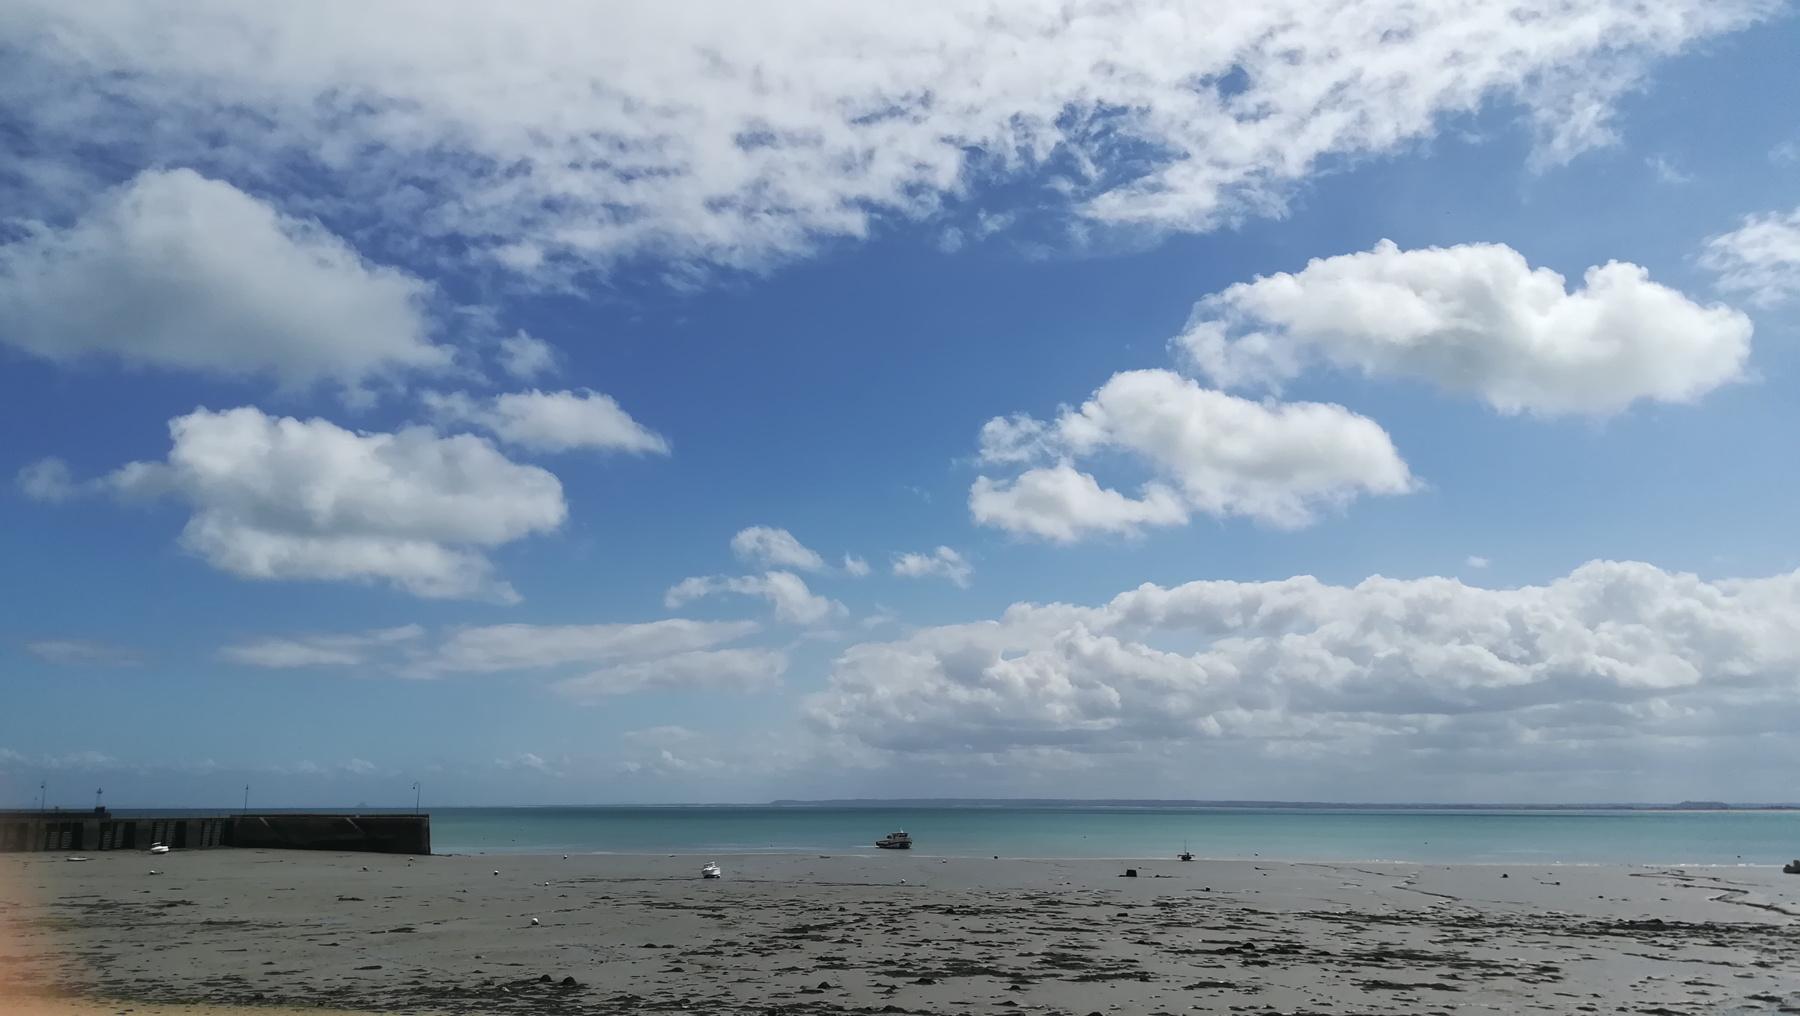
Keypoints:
pixel 571 135
pixel 321 650
pixel 670 654
pixel 1062 503
pixel 1477 561
pixel 531 646
pixel 1277 463
pixel 738 670
pixel 281 498
pixel 663 736
pixel 943 563
pixel 48 480
pixel 855 567
pixel 82 653
pixel 17 761
pixel 527 760
pixel 176 270
pixel 550 421
pixel 1401 670
pixel 1760 259
pixel 774 548
pixel 786 592
pixel 525 357
pixel 1666 171
pixel 1473 318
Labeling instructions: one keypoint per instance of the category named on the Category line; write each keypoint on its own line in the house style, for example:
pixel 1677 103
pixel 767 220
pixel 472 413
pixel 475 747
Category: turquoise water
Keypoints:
pixel 1569 837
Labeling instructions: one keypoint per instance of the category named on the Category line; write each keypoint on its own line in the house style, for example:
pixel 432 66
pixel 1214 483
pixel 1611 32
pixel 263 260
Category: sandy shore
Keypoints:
pixel 63 1006
pixel 888 933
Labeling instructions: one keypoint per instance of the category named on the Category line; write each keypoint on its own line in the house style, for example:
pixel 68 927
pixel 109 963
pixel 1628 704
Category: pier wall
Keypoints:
pixel 75 831
pixel 381 834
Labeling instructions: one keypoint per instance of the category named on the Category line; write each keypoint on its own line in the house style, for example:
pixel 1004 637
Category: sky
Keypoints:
pixel 1358 401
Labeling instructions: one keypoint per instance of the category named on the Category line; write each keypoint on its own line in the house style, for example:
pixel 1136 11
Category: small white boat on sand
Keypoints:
pixel 895 841
pixel 711 870
pixel 159 848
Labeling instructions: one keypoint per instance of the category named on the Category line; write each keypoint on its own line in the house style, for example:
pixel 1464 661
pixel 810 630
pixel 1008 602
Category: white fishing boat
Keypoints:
pixel 895 841
pixel 159 848
pixel 711 870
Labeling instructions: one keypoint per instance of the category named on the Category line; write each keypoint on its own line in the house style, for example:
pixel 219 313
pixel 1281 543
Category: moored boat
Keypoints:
pixel 895 841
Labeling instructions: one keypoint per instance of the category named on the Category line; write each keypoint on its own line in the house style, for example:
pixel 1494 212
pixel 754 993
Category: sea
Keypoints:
pixel 1459 835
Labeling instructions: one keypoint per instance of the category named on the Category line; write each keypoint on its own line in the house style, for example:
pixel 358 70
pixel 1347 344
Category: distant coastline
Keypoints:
pixel 1004 802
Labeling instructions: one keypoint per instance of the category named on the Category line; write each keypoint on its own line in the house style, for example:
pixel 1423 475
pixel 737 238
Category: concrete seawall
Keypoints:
pixel 101 830
pixel 381 834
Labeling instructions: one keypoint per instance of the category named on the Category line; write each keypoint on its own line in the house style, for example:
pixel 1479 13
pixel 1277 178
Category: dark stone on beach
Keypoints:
pixel 1792 867
pixel 372 966
pixel 1503 874
pixel 543 978
pixel 926 980
pixel 570 982
pixel 1131 873
pixel 824 985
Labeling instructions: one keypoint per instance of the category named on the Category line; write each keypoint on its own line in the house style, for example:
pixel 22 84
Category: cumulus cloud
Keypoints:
pixel 1398 668
pixel 82 653
pixel 179 271
pixel 1760 259
pixel 282 498
pixel 550 421
pixel 943 563
pixel 1062 503
pixel 855 567
pixel 1476 561
pixel 321 650
pixel 571 135
pixel 525 357
pixel 1277 463
pixel 1472 318
pixel 769 547
pixel 48 480
pixel 738 670
pixel 786 592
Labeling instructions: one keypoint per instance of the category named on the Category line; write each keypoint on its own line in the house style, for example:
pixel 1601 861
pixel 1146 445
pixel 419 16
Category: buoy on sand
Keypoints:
pixel 534 922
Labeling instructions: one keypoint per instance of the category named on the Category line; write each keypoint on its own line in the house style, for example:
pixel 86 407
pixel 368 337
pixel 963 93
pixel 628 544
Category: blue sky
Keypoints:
pixel 475 366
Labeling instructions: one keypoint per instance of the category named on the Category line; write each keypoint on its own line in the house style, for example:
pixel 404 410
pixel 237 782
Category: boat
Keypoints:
pixel 159 848
pixel 711 870
pixel 895 841
pixel 1186 855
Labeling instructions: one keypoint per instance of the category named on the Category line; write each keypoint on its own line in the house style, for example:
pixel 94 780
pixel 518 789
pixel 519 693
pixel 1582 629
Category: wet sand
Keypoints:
pixel 888 933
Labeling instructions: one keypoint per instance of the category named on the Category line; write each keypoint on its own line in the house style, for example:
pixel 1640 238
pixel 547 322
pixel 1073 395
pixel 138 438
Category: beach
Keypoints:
pixel 888 932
